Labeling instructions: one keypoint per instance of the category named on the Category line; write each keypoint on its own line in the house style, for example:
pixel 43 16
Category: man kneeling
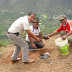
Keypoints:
pixel 33 44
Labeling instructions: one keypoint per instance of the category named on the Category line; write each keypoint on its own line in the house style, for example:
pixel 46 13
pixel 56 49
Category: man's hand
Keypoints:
pixel 45 37
pixel 33 45
pixel 64 37
pixel 38 39
pixel 36 35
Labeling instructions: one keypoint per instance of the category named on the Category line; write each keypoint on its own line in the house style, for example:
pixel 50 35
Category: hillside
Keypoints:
pixel 37 6
pixel 54 63
pixel 47 11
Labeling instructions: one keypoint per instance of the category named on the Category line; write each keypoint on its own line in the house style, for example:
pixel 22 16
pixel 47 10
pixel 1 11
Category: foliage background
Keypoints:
pixel 47 11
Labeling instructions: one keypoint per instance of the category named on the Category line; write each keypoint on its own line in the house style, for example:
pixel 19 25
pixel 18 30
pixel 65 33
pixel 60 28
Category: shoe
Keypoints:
pixel 18 59
pixel 30 61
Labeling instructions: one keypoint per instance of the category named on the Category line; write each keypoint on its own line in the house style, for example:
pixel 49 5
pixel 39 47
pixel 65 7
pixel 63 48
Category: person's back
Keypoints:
pixel 18 25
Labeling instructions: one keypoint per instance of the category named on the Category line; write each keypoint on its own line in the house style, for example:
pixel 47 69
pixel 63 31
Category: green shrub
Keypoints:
pixel 4 42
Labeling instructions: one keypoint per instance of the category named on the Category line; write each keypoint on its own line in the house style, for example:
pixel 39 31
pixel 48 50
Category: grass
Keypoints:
pixel 4 42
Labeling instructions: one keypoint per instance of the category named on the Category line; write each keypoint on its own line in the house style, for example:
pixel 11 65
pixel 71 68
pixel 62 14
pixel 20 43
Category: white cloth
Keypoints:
pixel 20 25
pixel 35 31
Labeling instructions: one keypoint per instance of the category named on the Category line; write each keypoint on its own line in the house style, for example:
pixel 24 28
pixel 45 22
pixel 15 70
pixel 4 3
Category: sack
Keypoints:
pixel 44 55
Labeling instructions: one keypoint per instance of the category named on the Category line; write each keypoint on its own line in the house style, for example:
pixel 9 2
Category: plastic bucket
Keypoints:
pixel 62 46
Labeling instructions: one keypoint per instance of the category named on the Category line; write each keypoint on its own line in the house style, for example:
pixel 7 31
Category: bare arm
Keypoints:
pixel 52 33
pixel 65 36
pixel 31 41
pixel 32 35
pixel 69 33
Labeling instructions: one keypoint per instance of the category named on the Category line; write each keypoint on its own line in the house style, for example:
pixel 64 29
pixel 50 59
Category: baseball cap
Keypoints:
pixel 62 17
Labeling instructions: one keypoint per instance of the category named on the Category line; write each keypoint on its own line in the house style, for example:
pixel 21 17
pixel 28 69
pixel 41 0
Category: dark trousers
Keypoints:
pixel 38 45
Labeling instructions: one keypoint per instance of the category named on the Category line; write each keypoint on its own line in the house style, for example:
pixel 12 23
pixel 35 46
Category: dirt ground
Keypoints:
pixel 54 63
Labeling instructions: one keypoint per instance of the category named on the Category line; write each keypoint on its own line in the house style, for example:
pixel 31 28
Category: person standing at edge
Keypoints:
pixel 65 28
pixel 16 29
